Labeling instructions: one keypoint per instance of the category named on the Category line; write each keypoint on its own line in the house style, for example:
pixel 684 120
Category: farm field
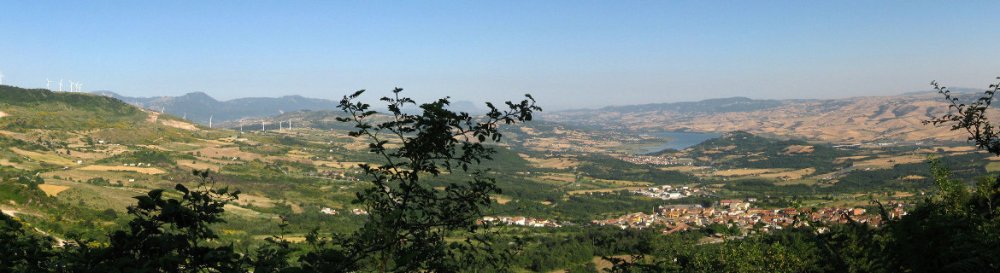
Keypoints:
pixel 46 157
pixel 559 163
pixel 52 190
pixel 889 162
pixel 142 170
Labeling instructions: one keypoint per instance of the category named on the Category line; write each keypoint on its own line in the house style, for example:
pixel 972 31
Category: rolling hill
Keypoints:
pixel 851 120
pixel 27 112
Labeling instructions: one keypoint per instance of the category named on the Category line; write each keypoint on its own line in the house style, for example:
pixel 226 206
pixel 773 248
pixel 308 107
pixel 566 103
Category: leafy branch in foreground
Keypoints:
pixel 169 235
pixel 409 219
pixel 971 117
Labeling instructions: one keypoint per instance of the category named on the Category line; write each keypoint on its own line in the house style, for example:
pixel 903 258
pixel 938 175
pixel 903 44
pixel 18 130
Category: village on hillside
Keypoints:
pixel 741 215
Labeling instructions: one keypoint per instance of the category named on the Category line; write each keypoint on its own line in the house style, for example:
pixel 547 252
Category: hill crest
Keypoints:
pixel 851 120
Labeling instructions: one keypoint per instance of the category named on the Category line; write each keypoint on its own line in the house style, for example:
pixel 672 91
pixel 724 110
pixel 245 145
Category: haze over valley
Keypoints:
pixel 853 120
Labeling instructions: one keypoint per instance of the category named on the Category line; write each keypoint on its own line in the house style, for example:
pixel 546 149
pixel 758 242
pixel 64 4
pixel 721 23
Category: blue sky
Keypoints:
pixel 570 54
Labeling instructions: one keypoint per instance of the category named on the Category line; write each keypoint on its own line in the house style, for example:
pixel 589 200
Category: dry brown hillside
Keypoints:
pixel 852 120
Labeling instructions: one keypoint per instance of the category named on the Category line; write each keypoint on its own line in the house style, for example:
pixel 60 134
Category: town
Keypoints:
pixel 656 160
pixel 740 214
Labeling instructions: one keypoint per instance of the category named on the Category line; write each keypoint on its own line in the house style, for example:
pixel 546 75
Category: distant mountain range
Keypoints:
pixel 850 120
pixel 199 107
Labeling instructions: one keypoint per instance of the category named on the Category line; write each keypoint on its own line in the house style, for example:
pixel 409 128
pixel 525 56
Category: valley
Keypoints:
pixel 499 137
pixel 74 172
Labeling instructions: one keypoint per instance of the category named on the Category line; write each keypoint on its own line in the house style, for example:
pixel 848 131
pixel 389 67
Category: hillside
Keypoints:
pixel 322 119
pixel 38 108
pixel 744 150
pixel 723 105
pixel 28 113
pixel 850 120
pixel 71 163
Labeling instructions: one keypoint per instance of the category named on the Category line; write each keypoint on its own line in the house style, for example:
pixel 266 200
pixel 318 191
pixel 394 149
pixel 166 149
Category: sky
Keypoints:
pixel 568 54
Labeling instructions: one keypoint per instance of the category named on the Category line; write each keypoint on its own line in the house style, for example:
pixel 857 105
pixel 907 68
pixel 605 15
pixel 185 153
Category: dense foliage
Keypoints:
pixel 408 219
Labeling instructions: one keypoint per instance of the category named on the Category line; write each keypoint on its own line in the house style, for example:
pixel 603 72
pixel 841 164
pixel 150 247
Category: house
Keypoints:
pixel 328 211
pixel 858 211
pixel 734 204
pixel 790 212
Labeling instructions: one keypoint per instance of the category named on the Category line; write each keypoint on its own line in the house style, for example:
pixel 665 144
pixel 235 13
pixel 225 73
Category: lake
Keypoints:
pixel 679 140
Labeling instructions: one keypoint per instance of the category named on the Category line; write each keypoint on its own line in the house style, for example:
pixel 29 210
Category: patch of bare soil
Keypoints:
pixel 179 125
pixel 52 190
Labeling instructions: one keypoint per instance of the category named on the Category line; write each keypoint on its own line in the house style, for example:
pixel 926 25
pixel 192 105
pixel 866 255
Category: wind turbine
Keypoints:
pixel 48 83
pixel 262 126
pixel 210 121
pixel 79 87
pixel 289 125
pixel 60 85
pixel 241 126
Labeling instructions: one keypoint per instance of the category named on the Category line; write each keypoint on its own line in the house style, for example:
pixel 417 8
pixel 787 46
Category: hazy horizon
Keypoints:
pixel 371 96
pixel 569 55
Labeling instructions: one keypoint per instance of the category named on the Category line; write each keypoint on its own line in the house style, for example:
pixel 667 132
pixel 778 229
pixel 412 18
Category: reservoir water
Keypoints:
pixel 679 140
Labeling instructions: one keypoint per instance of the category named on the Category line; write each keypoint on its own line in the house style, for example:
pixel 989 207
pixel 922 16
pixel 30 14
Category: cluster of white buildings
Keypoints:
pixel 655 160
pixel 520 221
pixel 667 192
pixel 330 211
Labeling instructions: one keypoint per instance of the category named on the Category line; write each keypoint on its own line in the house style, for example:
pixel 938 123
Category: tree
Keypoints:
pixel 22 250
pixel 972 118
pixel 955 231
pixel 408 219
pixel 170 235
